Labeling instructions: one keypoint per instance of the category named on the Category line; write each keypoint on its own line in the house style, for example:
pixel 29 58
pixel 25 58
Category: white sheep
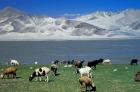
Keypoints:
pixel 43 71
pixel 85 71
pixel 106 61
pixel 36 62
pixel 14 62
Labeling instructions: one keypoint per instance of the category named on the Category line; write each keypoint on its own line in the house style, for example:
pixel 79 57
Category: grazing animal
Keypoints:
pixel 79 64
pixel 86 71
pixel 8 71
pixel 43 71
pixel 69 62
pixel 93 63
pixel 106 61
pixel 56 61
pixel 14 62
pixel 100 60
pixel 64 62
pixel 87 82
pixel 54 68
pixel 72 61
pixel 137 77
pixel 134 61
pixel 36 62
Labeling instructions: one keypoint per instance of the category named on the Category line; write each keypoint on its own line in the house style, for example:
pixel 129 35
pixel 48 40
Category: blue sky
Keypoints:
pixel 57 8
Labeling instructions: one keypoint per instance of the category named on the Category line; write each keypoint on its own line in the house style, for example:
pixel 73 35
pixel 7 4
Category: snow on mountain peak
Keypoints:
pixel 90 26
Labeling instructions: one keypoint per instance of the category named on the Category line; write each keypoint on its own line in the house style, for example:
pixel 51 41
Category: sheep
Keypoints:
pixel 54 69
pixel 79 64
pixel 137 77
pixel 8 71
pixel 56 62
pixel 14 62
pixel 85 71
pixel 43 71
pixel 106 61
pixel 134 61
pixel 86 82
pixel 36 62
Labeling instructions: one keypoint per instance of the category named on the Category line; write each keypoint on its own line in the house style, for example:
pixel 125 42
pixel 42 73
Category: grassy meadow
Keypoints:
pixel 105 79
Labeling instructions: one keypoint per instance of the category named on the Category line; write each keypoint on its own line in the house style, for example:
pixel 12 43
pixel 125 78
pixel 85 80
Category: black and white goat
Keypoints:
pixel 43 71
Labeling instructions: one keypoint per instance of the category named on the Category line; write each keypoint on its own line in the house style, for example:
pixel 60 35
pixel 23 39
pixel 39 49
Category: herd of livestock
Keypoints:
pixel 85 78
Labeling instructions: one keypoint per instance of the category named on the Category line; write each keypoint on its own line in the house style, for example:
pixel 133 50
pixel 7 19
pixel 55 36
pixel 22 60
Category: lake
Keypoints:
pixel 119 51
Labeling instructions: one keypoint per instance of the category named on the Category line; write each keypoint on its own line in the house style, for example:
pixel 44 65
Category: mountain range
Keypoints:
pixel 17 25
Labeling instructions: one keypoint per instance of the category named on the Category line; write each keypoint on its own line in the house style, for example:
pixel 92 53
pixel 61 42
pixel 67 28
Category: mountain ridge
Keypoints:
pixel 14 23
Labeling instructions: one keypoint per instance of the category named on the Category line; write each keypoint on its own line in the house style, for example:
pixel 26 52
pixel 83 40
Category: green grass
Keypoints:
pixel 104 78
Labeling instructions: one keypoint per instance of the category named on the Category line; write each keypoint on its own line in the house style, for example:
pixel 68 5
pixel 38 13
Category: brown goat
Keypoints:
pixel 8 71
pixel 86 82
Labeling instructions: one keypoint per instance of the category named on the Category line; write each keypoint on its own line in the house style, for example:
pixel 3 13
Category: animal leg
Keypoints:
pixel 93 87
pixel 95 67
pixel 36 79
pixel 90 75
pixel 40 78
pixel 55 71
pixel 82 85
pixel 8 76
pixel 86 88
pixel 14 75
pixel 47 78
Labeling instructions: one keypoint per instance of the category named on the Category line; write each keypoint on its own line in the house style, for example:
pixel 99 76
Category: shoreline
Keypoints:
pixel 88 39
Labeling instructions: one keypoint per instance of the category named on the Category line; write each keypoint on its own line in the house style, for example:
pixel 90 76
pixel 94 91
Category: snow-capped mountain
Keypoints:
pixel 127 21
pixel 16 25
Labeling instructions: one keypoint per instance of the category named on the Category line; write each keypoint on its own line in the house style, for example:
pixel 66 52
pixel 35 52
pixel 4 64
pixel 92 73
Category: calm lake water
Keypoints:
pixel 119 51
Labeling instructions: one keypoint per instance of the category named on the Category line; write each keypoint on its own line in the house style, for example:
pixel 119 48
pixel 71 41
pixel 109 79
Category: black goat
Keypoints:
pixel 56 61
pixel 93 63
pixel 134 61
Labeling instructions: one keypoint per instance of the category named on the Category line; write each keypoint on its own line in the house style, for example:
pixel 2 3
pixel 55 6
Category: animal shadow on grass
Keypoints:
pixel 57 74
pixel 88 91
pixel 18 77
pixel 52 79
pixel 12 77
pixel 39 81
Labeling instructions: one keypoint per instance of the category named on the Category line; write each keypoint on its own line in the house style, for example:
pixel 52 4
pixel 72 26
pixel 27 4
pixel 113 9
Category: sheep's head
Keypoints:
pixel 93 88
pixel 1 76
pixel 32 76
